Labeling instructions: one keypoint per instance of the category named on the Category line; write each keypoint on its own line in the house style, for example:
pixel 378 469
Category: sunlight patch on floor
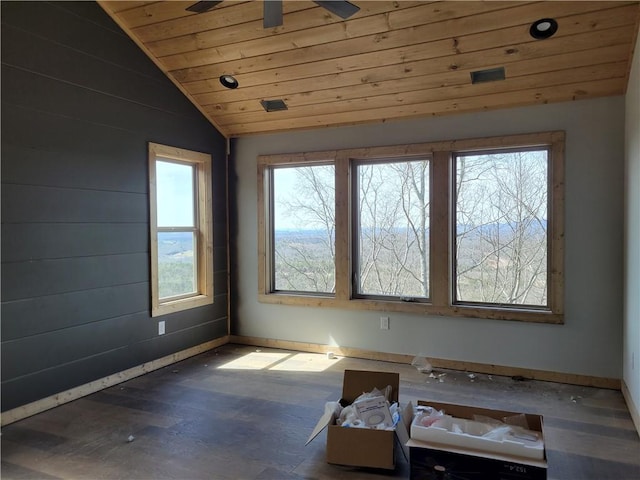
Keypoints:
pixel 255 361
pixel 306 362
pixel 296 362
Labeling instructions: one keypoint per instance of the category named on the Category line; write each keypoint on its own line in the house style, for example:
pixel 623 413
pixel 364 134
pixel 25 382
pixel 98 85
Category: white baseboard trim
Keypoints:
pixel 634 410
pixel 52 401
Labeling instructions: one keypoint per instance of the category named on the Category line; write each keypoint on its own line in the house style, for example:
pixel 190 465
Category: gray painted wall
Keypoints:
pixel 631 365
pixel 590 341
pixel 80 101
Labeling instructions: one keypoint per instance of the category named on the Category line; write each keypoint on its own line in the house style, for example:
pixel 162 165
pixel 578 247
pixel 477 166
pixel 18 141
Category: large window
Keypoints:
pixel 462 228
pixel 303 229
pixel 180 220
pixel 501 211
pixel 391 222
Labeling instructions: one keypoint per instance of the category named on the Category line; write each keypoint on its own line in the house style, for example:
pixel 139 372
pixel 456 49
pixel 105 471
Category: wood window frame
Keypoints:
pixel 441 241
pixel 204 229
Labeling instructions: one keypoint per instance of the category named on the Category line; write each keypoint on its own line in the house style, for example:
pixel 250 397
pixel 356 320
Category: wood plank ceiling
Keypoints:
pixel 391 60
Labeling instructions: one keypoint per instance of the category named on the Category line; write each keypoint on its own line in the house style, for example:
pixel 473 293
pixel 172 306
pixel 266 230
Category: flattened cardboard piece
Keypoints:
pixel 357 382
pixel 328 418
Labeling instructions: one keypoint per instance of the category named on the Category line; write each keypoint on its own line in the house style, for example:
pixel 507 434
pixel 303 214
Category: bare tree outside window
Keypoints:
pixel 501 228
pixel 304 228
pixel 393 229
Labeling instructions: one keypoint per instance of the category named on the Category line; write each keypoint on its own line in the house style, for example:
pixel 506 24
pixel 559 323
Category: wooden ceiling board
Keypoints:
pixel 616 55
pixel 300 19
pixel 416 88
pixel 391 60
pixel 406 56
pixel 554 94
pixel 410 46
pixel 563 77
pixel 420 73
pixel 209 23
pixel 419 62
pixel 465 63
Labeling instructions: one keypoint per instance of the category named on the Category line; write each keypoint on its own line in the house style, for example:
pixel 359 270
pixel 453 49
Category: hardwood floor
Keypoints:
pixel 241 412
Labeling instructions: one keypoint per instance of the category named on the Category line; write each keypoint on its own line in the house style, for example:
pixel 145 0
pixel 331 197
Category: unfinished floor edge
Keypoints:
pixel 544 375
pixel 33 408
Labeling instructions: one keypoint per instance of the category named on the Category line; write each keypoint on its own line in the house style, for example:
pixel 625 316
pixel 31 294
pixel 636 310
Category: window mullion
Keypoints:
pixel 343 237
pixel 177 229
pixel 440 255
pixel 265 232
pixel 204 228
pixel 556 234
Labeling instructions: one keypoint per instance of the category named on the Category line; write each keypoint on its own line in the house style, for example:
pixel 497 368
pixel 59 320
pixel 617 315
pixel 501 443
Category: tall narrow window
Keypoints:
pixel 181 239
pixel 303 229
pixel 502 216
pixel 177 232
pixel 392 247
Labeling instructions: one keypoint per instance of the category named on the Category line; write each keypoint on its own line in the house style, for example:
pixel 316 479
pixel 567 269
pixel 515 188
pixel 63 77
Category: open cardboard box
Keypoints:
pixel 430 460
pixel 364 447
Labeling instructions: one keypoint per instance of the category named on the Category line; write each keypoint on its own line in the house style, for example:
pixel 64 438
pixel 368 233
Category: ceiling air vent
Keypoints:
pixel 489 75
pixel 273 105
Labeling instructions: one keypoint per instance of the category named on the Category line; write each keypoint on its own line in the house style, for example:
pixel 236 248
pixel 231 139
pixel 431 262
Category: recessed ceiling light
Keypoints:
pixel 228 81
pixel 543 28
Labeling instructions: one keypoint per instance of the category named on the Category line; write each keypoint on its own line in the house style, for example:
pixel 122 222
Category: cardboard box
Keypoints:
pixel 430 460
pixel 363 447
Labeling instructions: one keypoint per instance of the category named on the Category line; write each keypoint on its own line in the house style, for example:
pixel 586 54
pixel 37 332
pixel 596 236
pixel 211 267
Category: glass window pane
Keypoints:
pixel 501 228
pixel 304 228
pixel 393 233
pixel 175 195
pixel 176 264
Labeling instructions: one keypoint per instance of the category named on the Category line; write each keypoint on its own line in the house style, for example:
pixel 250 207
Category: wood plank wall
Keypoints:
pixel 79 103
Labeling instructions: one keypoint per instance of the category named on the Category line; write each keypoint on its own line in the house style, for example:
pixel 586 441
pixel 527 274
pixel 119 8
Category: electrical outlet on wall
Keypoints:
pixel 161 327
pixel 384 323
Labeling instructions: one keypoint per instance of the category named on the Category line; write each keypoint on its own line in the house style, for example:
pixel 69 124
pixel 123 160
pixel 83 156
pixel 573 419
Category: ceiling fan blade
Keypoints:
pixel 272 13
pixel 342 8
pixel 201 7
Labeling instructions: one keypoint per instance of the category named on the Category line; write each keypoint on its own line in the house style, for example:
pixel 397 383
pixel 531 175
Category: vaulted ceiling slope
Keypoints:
pixel 391 60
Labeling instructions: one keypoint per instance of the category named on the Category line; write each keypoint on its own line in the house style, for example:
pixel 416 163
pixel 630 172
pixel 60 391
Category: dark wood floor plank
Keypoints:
pixel 240 412
pixel 10 470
